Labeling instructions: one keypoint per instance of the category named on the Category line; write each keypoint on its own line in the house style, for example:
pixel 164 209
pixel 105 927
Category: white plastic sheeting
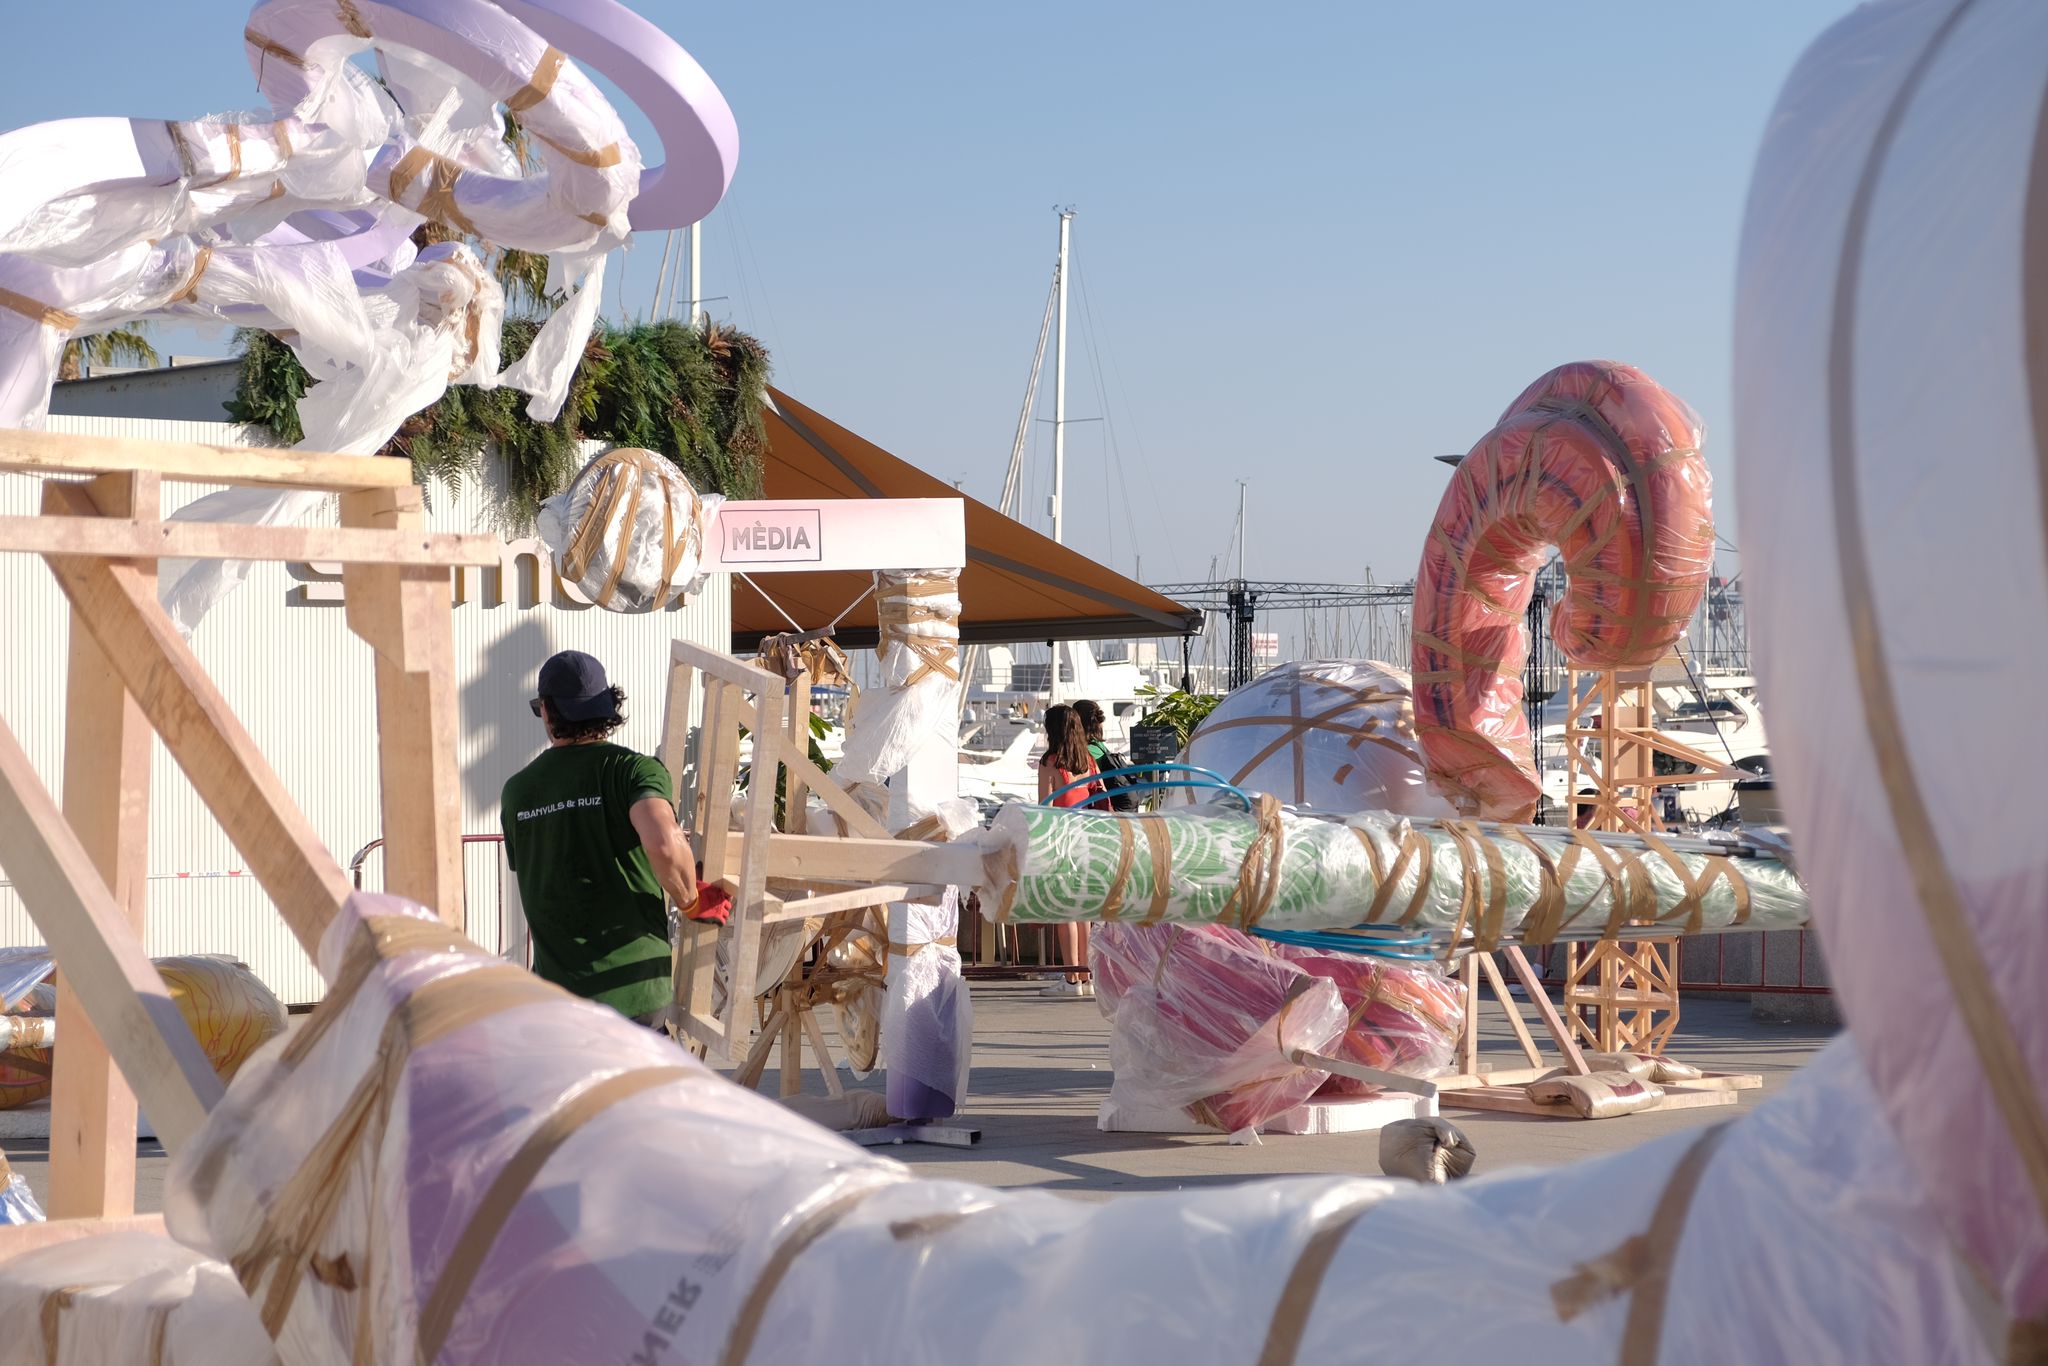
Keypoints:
pixel 645 1205
pixel 298 221
pixel 1891 395
pixel 630 530
pixel 126 1298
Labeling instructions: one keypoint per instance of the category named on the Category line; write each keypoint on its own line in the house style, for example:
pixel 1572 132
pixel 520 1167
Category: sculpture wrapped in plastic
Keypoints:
pixel 1327 734
pixel 1285 870
pixel 230 1011
pixel 299 221
pixel 1602 462
pixel 1201 1021
pixel 1398 1017
pixel 630 530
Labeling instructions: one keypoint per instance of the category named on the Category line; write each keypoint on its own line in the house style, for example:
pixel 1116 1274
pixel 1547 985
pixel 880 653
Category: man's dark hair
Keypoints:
pixel 587 730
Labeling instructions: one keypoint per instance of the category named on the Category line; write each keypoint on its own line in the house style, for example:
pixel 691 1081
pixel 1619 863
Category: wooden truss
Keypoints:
pixel 81 870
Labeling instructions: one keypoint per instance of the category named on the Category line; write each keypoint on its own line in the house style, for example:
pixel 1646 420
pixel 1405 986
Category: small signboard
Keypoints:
pixel 1154 744
pixel 1266 644
pixel 767 535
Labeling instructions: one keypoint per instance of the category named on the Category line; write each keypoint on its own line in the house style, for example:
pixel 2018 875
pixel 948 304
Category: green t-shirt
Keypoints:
pixel 597 916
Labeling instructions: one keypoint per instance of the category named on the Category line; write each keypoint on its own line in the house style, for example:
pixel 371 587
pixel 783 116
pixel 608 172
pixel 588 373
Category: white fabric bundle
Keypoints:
pixel 630 530
pixel 595 1194
pixel 121 1298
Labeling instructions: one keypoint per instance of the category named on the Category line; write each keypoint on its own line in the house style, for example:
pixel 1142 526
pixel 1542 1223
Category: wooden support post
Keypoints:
pixel 1468 1032
pixel 402 611
pixel 116 602
pixel 1553 1023
pixel 106 803
pixel 1507 1004
pixel 88 932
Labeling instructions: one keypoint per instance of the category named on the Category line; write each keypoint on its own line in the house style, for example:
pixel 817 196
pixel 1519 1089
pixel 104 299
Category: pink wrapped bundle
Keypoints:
pixel 1202 1019
pixel 1402 1017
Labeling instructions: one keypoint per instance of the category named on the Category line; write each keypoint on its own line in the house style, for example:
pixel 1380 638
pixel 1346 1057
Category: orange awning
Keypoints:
pixel 1017 585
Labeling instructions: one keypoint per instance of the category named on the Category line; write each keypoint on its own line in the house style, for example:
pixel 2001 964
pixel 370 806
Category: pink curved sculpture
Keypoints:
pixel 1602 462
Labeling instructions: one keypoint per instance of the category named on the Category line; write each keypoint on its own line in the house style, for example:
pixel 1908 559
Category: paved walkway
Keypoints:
pixel 1041 1068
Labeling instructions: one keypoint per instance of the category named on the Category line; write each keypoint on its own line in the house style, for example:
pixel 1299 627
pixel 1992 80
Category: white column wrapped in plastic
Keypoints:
pixel 906 733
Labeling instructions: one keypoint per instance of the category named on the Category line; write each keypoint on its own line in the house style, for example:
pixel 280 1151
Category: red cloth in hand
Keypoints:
pixel 714 904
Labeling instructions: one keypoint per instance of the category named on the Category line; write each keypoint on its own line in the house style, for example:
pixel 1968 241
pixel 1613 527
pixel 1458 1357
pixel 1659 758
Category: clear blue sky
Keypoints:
pixel 1319 243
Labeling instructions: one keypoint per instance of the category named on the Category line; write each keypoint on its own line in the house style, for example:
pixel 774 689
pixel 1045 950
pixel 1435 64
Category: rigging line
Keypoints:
pixel 668 246
pixel 760 276
pixel 770 601
pixel 1116 458
pixel 865 595
pixel 1013 476
pixel 1137 434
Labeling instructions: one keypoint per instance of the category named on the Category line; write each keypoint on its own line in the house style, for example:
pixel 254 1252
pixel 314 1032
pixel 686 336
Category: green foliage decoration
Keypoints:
pixel 1172 707
pixel 694 394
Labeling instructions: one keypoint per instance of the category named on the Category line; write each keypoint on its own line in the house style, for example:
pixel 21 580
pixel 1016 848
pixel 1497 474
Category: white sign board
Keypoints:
pixel 790 535
pixel 1266 644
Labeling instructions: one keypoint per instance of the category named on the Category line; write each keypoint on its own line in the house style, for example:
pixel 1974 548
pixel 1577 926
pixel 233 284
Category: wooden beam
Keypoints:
pixel 117 603
pixel 1491 970
pixel 743 935
pixel 106 802
pixel 125 539
pixel 403 612
pixel 751 677
pixel 88 932
pixel 1358 1071
pixel 833 903
pixel 1539 1000
pixel 826 858
pixel 56 453
pixel 859 821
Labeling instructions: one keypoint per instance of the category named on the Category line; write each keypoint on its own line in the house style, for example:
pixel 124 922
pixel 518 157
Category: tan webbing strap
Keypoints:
pixel 1298 1293
pixel 1546 912
pixel 545 72
pixel 813 1226
pixel 1159 846
pixel 1641 1266
pixel 569 1114
pixel 1126 849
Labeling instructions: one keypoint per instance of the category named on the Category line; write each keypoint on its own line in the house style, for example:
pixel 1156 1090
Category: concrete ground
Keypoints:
pixel 1041 1068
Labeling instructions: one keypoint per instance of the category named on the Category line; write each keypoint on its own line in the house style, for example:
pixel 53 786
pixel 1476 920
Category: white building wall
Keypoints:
pixel 301 684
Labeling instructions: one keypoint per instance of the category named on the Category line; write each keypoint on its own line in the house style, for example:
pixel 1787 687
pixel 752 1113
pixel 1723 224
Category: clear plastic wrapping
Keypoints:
pixel 630 530
pixel 1200 1020
pixel 1399 1016
pixel 17 1202
pixel 1330 734
pixel 927 1024
pixel 1602 462
pixel 1284 870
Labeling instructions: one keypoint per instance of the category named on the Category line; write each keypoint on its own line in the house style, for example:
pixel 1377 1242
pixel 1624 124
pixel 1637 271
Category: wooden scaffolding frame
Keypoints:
pixel 1623 997
pixel 81 869
pixel 771 875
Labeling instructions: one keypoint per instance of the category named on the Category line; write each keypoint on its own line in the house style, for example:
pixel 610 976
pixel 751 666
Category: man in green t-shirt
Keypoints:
pixel 590 830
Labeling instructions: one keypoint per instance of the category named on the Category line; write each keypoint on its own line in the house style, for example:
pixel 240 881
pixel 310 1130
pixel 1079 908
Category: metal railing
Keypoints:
pixel 502 908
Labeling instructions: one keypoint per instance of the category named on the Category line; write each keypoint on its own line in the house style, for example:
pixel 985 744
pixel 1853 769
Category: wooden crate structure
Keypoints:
pixel 81 870
pixel 773 876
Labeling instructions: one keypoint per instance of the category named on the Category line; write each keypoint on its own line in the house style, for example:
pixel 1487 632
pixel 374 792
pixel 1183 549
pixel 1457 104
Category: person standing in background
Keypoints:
pixel 590 832
pixel 1065 761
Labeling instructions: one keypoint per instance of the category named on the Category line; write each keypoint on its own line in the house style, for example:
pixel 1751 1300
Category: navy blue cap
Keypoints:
pixel 574 685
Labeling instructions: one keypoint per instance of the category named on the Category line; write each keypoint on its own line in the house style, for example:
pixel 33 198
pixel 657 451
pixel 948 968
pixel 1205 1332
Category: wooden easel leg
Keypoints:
pixel 1553 1024
pixel 792 1076
pixel 1508 1007
pixel 106 803
pixel 403 612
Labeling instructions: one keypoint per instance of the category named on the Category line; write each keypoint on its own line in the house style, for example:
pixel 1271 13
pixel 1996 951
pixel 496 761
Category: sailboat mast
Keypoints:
pixel 1059 384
